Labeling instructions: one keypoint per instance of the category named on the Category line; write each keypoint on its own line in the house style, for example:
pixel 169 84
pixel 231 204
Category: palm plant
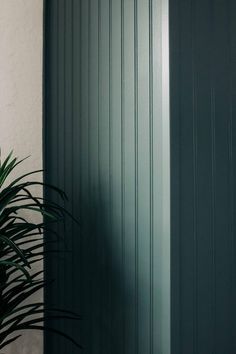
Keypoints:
pixel 21 247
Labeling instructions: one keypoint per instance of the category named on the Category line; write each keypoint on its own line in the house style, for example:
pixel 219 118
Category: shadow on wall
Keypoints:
pixel 94 285
pixel 103 287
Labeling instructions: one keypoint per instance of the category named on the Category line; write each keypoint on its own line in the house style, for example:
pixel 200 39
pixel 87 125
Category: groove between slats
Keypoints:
pixel 151 165
pixel 213 211
pixel 195 142
pixel 99 160
pixel 110 155
pixel 123 172
pixel 90 229
pixel 231 171
pixel 57 125
pixel 136 173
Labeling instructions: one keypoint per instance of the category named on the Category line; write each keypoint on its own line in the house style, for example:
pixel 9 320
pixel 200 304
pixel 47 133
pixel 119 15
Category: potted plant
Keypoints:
pixel 21 248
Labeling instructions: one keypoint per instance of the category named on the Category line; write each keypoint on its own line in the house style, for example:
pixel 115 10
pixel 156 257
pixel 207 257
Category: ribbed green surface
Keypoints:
pixel 203 150
pixel 107 146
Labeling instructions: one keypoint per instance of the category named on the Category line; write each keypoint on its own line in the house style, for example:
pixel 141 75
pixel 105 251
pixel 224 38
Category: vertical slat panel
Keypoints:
pixel 203 155
pixel 94 173
pixel 223 260
pixel 232 141
pixel 116 187
pixel 202 41
pixel 104 180
pixel 129 174
pixel 61 150
pixel 106 138
pixel 156 179
pixel 176 45
pixel 51 134
pixel 68 163
pixel 151 189
pixel 136 62
pixel 143 177
pixel 84 172
pixel 164 204
pixel 188 235
pixel 76 297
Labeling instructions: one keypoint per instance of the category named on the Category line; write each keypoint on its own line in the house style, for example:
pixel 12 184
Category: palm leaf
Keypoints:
pixel 21 246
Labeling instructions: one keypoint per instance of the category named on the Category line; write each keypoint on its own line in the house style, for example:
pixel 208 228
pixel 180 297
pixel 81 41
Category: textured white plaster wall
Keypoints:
pixel 21 28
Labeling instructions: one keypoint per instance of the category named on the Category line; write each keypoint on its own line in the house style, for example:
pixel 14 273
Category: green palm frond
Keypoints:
pixel 21 247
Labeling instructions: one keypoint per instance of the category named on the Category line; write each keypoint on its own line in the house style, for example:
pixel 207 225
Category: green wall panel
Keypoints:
pixel 202 96
pixel 107 144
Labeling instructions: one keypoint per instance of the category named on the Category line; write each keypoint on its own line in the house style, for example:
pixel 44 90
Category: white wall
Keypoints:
pixel 21 25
